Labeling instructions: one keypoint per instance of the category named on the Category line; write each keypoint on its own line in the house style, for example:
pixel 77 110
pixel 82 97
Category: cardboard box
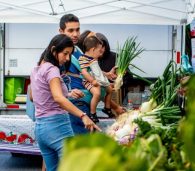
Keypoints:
pixel 116 96
pixel 135 97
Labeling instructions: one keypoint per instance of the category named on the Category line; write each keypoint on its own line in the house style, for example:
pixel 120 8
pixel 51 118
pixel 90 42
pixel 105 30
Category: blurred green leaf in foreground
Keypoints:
pixel 97 152
pixel 188 126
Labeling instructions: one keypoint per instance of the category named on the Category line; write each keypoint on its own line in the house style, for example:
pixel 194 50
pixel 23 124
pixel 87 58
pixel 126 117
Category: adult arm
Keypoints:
pixel 111 75
pixel 30 94
pixel 56 91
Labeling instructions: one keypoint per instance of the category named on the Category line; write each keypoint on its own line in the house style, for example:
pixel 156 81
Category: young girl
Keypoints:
pixel 93 50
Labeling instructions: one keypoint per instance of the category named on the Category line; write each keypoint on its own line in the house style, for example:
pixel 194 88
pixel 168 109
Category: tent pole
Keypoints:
pixel 183 38
pixel 2 63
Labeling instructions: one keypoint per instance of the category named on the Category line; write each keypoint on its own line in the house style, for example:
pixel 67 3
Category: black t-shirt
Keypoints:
pixel 108 62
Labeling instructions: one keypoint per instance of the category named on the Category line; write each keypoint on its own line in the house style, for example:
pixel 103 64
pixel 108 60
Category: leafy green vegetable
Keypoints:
pixel 97 152
pixel 87 159
pixel 188 126
pixel 129 51
pixel 164 90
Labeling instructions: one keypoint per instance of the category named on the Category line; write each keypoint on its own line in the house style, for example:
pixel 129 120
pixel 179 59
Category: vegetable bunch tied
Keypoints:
pixel 164 95
pixel 129 51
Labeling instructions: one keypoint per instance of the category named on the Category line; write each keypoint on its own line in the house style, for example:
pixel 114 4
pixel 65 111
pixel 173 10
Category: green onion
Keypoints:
pixel 126 54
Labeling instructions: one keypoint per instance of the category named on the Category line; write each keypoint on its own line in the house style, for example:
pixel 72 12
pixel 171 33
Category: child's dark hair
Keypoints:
pixel 57 45
pixel 91 42
pixel 67 18
pixel 82 38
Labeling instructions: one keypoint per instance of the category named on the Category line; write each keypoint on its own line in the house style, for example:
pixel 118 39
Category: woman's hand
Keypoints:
pixel 76 94
pixel 120 110
pixel 89 124
pixel 111 75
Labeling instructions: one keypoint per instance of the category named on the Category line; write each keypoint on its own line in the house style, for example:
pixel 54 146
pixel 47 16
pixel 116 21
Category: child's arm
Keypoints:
pixel 83 63
pixel 88 77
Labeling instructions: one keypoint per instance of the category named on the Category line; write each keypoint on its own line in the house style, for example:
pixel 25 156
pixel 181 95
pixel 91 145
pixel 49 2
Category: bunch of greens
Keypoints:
pixel 169 135
pixel 164 90
pixel 129 51
pixel 161 107
pixel 163 117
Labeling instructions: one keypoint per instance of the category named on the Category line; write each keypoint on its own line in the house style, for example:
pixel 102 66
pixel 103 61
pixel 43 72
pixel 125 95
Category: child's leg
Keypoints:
pixel 107 101
pixel 108 97
pixel 94 102
pixel 95 91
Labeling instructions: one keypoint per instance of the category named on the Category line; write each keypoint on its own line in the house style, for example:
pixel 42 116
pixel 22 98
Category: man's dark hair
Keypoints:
pixel 67 18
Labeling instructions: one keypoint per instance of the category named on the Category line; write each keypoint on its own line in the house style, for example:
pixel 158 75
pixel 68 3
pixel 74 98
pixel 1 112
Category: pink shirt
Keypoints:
pixel 41 93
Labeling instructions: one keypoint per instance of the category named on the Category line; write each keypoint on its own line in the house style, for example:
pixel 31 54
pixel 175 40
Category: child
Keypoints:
pixel 93 50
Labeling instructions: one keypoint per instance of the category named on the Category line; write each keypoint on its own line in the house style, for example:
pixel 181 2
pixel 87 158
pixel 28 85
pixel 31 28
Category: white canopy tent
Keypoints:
pixel 155 12
pixel 165 12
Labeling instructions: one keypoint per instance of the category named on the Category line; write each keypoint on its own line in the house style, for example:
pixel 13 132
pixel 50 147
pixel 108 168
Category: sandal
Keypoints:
pixel 108 112
pixel 93 117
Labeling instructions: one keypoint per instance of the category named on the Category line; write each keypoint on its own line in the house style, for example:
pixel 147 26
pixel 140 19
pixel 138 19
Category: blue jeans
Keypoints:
pixel 50 133
pixel 76 122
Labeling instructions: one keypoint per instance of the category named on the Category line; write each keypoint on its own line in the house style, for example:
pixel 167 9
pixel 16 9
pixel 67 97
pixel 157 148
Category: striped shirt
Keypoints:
pixel 85 61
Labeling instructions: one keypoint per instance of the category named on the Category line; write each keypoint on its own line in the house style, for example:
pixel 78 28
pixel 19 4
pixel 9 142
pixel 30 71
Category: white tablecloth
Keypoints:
pixel 17 124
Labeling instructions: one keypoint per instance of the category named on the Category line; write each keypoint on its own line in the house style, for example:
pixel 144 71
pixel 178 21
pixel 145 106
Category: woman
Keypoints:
pixel 106 63
pixel 49 94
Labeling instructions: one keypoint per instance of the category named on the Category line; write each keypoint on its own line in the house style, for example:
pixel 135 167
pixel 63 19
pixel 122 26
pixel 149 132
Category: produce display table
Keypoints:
pixel 105 123
pixel 20 148
pixel 17 134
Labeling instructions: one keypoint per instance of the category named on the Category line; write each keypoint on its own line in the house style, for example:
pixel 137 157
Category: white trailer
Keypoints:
pixel 22 45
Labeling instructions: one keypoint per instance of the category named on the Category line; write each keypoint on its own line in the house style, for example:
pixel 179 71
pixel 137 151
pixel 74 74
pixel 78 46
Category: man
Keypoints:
pixel 70 25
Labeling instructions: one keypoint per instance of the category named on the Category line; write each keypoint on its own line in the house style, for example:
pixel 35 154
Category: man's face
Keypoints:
pixel 72 30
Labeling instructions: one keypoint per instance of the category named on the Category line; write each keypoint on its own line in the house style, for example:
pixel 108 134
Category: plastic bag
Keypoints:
pixel 13 86
pixel 185 64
